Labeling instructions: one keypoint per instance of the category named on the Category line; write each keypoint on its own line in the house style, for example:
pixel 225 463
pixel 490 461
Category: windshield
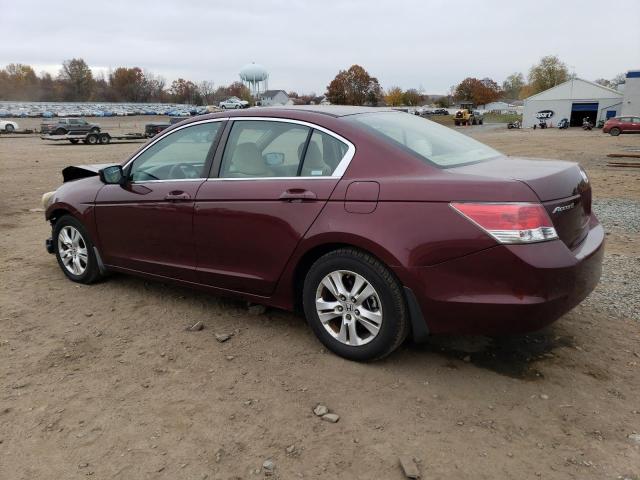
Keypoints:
pixel 430 141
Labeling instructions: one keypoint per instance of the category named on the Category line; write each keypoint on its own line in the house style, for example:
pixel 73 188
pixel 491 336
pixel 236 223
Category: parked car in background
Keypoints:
pixel 8 126
pixel 441 111
pixel 331 211
pixel 154 128
pixel 64 126
pixel 625 124
pixel 233 102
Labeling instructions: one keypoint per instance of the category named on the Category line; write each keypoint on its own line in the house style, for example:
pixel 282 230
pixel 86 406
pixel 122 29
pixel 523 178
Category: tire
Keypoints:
pixel 60 131
pixel 457 123
pixel 9 128
pixel 238 107
pixel 480 122
pixel 386 303
pixel 614 132
pixel 86 271
pixel 92 139
pixel 104 138
pixel 74 140
pixel 223 107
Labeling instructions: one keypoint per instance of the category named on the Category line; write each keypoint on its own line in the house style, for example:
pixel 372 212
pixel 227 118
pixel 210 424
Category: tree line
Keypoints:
pixel 75 82
pixel 356 87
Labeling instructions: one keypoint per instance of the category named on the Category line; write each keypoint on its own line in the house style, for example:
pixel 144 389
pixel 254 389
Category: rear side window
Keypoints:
pixel 324 153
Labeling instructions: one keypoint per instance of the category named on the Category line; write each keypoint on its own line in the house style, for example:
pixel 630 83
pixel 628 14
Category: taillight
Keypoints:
pixel 510 222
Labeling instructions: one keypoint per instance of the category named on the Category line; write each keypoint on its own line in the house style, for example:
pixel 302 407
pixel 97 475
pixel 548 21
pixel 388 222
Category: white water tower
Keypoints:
pixel 256 77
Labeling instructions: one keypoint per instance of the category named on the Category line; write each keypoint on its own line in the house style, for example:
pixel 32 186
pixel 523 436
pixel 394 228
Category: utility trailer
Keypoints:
pixel 101 138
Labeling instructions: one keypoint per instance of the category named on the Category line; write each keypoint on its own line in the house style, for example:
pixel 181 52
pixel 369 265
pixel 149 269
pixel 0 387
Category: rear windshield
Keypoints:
pixel 430 141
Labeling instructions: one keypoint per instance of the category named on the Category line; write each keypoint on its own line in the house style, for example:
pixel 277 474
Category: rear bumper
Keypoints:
pixel 509 288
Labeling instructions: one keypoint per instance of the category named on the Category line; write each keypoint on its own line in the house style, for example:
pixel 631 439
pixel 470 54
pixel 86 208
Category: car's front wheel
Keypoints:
pixel 355 305
pixel 74 250
pixel 9 128
pixel 614 132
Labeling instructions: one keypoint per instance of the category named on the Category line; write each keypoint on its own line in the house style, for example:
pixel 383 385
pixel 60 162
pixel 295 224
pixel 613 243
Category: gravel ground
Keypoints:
pixel 618 291
pixel 618 214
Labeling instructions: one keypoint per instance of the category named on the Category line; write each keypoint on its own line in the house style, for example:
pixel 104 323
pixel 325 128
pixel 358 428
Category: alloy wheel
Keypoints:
pixel 73 250
pixel 349 307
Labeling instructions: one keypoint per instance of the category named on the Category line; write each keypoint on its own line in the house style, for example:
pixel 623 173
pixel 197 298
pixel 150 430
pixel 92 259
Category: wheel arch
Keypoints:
pixel 418 326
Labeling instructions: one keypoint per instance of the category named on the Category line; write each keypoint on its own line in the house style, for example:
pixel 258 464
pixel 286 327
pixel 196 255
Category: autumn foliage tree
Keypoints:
pixel 547 73
pixel 478 91
pixel 394 97
pixel 78 79
pixel 354 87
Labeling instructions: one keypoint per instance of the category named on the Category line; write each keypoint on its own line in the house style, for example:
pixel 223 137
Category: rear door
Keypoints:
pixel 147 224
pixel 270 183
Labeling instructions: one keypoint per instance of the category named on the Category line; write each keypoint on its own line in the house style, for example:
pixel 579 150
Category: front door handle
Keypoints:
pixel 301 194
pixel 177 196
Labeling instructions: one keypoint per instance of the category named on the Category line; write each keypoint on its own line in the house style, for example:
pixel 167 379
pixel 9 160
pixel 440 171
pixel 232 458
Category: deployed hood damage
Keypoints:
pixel 76 172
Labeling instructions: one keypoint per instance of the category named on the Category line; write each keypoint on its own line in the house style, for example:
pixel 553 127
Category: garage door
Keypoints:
pixel 580 111
pixel 584 107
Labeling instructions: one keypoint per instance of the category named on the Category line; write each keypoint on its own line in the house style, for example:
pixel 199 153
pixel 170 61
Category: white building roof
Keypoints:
pixel 576 88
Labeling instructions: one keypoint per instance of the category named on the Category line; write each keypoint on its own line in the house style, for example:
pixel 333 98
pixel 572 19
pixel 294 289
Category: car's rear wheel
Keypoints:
pixel 614 132
pixel 223 107
pixel 74 250
pixel 355 305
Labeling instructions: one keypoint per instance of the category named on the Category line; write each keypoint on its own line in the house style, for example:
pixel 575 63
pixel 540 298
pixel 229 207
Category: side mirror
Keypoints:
pixel 112 175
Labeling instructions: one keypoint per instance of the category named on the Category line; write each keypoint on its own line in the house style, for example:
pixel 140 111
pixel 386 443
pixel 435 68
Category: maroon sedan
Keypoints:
pixel 377 224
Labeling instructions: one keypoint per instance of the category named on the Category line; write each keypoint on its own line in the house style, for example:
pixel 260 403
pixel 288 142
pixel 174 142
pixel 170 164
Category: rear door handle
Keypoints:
pixel 301 194
pixel 177 196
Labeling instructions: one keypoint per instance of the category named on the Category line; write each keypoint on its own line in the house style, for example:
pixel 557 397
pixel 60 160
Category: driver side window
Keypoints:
pixel 181 155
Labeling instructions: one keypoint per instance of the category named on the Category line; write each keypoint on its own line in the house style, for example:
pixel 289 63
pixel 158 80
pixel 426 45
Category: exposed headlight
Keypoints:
pixel 46 199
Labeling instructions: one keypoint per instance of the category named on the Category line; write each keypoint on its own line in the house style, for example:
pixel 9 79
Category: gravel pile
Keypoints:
pixel 618 291
pixel 618 214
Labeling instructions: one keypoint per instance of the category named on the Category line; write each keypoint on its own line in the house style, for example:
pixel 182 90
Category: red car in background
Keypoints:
pixel 377 224
pixel 625 124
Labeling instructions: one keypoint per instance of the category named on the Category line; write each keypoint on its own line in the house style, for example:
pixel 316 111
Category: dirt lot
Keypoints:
pixel 104 381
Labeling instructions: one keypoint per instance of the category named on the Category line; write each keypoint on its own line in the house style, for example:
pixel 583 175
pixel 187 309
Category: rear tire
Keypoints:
pixel 371 321
pixel 104 138
pixel 60 131
pixel 74 251
pixel 92 139
pixel 614 132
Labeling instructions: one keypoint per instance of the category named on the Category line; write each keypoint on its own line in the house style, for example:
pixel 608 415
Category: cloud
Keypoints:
pixel 303 44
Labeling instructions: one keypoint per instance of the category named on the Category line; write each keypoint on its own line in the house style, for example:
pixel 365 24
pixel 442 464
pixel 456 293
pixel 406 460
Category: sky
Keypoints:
pixel 429 45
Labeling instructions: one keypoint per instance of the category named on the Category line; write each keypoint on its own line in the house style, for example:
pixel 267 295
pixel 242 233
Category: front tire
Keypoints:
pixel 614 132
pixel 355 305
pixel 74 250
pixel 9 128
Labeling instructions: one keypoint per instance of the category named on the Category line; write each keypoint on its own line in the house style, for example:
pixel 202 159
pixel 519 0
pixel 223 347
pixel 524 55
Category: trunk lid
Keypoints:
pixel 562 188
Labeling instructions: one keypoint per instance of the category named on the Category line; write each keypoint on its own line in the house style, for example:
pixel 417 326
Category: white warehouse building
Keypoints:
pixel 574 100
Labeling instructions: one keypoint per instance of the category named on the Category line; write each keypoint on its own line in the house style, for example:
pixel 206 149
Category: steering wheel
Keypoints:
pixel 183 170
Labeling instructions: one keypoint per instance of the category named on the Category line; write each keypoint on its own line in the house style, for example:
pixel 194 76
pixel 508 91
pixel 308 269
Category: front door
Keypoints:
pixel 274 179
pixel 147 224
